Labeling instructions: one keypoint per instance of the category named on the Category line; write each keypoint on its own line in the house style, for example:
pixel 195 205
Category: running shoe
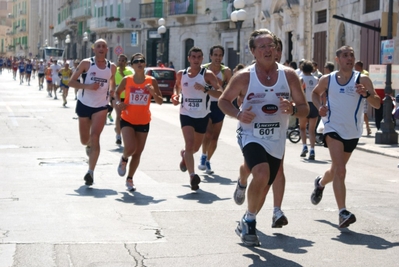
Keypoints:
pixel 64 104
pixel 239 193
pixel 208 167
pixel 110 118
pixel 183 166
pixel 304 151
pixel 118 141
pixel 279 220
pixel 194 182
pixel 202 166
pixel 55 98
pixel 311 155
pixel 129 184
pixel 346 218
pixel 317 194
pixel 247 232
pixel 88 179
pixel 122 167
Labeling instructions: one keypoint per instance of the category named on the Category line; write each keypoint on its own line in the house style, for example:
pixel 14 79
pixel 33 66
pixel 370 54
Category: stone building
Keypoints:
pixel 308 28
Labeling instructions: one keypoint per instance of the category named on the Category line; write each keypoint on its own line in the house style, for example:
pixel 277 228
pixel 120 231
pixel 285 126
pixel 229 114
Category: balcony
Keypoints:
pixel 182 11
pixel 98 24
pixel 150 13
pixel 81 13
pixel 23 29
pixel 61 28
pixel 221 12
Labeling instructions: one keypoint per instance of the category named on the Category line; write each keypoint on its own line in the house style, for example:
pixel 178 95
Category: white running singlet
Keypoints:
pixel 345 108
pixel 270 125
pixel 194 103
pixel 99 97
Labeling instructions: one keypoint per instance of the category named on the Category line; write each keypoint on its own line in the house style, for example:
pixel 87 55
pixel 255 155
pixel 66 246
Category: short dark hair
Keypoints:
pixel 216 47
pixel 307 67
pixel 293 65
pixel 329 65
pixel 359 63
pixel 279 43
pixel 136 55
pixel 194 49
pixel 342 48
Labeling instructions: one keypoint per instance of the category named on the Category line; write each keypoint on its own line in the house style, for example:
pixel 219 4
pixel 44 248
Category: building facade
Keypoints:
pixel 309 29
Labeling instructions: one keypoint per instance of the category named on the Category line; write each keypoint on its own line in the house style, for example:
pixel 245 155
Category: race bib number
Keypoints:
pixel 269 131
pixel 138 98
pixel 194 104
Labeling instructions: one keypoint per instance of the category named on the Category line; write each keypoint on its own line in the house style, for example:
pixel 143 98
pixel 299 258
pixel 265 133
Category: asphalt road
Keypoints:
pixel 49 218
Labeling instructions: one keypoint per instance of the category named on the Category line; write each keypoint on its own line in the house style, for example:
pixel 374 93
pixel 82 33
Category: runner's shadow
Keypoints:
pixel 214 178
pixel 202 197
pixel 117 149
pixel 262 257
pixel 85 191
pixel 137 198
pixel 317 161
pixel 350 237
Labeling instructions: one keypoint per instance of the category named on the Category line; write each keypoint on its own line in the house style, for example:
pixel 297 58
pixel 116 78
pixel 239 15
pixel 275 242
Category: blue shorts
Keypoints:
pixel 216 114
pixel 84 111
pixel 64 85
pixel 199 124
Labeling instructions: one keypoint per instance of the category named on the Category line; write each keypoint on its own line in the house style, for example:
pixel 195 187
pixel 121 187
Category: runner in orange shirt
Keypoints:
pixel 136 116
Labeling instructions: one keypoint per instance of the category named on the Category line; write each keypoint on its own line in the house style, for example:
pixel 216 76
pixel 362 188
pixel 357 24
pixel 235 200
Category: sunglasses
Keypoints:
pixel 138 60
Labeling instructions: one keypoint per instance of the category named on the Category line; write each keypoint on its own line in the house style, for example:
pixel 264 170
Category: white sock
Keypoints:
pixel 250 217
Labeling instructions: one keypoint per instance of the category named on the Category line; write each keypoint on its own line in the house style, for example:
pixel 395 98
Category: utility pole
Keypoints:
pixel 387 133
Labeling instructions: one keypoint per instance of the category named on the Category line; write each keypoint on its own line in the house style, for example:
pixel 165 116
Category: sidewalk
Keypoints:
pixel 367 143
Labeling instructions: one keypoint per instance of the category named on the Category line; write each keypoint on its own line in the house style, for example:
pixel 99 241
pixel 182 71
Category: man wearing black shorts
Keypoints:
pixel 343 124
pixel 196 84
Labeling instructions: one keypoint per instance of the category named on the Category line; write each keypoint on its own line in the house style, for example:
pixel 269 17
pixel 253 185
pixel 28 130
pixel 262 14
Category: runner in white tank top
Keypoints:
pixel 345 90
pixel 91 105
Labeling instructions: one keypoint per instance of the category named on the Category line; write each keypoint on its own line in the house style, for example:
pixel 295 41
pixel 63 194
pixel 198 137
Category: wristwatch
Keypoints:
pixel 117 102
pixel 367 94
pixel 294 110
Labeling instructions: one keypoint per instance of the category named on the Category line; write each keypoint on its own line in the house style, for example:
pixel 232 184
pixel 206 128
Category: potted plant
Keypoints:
pixel 132 19
pixel 51 27
pixel 117 19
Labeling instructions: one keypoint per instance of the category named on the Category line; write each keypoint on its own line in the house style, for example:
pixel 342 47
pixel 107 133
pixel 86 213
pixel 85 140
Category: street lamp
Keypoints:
pixel 162 31
pixel 387 133
pixel 85 39
pixel 45 43
pixel 56 41
pixel 67 41
pixel 238 16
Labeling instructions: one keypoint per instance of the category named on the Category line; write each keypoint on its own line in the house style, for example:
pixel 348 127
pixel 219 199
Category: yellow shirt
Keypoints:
pixel 119 77
pixel 65 75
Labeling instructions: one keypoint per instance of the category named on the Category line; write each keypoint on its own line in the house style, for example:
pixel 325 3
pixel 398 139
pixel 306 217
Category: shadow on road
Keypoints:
pixel 202 197
pixel 137 198
pixel 350 237
pixel 85 191
pixel 213 178
pixel 262 257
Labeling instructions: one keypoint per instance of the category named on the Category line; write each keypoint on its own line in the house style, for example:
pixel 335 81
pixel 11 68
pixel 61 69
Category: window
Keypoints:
pixel 371 6
pixel 321 16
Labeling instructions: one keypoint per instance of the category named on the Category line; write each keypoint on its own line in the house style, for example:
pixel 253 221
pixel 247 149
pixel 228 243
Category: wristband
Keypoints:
pixel 207 88
pixel 117 102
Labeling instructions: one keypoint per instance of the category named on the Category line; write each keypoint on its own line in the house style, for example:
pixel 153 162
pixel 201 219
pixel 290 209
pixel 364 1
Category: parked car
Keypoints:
pixel 166 78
